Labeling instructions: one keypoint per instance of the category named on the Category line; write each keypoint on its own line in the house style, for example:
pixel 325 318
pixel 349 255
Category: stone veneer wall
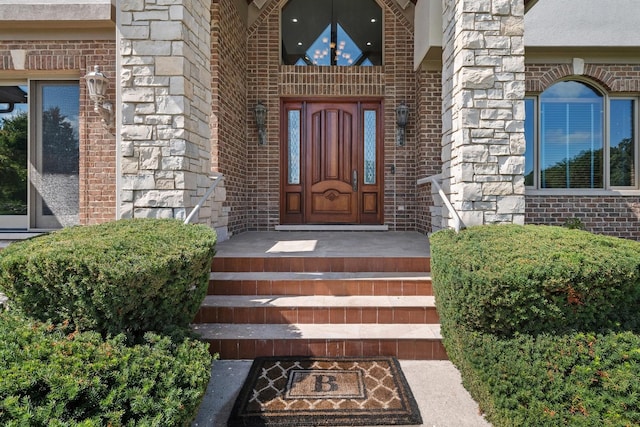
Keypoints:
pixel 268 81
pixel 62 58
pixel 483 110
pixel 614 214
pixel 229 112
pixel 166 107
pixel 429 130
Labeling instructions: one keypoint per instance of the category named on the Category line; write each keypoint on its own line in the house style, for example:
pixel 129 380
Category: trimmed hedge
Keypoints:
pixel 542 323
pixel 128 276
pixel 48 378
pixel 576 379
pixel 532 279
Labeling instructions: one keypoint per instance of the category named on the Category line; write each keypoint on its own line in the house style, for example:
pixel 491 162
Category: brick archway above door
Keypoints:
pixel 332 155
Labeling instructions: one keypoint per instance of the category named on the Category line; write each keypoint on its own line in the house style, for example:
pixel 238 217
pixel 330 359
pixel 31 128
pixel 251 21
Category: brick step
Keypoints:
pixel 246 341
pixel 243 309
pixel 321 264
pixel 349 283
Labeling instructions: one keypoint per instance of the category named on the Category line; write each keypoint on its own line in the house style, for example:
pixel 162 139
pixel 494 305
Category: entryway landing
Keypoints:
pixel 328 244
pixel 322 294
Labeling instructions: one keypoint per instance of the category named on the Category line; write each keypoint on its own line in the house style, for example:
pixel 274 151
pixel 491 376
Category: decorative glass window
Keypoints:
pixel 332 32
pixel 370 127
pixel 569 139
pixel 294 147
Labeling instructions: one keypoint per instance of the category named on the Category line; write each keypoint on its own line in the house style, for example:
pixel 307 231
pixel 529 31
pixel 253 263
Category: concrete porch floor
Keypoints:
pixel 325 244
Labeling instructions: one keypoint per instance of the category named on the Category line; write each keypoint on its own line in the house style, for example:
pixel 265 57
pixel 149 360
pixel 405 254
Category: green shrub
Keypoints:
pixel 533 279
pixel 574 224
pixel 534 318
pixel 577 379
pixel 48 378
pixel 128 276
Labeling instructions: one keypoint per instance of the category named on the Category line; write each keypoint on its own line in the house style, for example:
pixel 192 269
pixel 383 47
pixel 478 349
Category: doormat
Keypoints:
pixel 322 391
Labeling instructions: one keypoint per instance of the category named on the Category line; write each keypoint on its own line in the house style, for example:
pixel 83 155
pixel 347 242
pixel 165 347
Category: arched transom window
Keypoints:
pixel 332 32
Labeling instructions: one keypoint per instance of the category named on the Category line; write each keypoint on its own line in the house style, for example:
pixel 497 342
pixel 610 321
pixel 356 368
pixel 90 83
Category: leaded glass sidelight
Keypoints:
pixel 294 147
pixel 370 127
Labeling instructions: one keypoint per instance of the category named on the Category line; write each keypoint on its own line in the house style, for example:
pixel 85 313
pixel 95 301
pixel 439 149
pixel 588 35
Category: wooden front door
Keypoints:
pixel 332 163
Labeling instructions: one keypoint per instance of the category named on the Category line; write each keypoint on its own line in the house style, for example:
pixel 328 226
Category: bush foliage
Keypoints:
pixel 531 279
pixel 541 321
pixel 49 378
pixel 576 379
pixel 128 276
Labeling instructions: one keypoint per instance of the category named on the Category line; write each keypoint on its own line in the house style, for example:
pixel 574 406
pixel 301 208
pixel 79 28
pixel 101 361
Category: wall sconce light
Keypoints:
pixel 261 119
pixel 97 84
pixel 402 117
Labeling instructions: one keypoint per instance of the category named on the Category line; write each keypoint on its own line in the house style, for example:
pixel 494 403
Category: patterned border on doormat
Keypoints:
pixel 325 391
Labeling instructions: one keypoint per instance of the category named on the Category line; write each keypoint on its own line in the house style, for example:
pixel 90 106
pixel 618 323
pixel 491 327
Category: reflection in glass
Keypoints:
pixel 294 147
pixel 332 32
pixel 13 155
pixel 621 136
pixel 571 136
pixel 57 178
pixel 529 136
pixel 370 147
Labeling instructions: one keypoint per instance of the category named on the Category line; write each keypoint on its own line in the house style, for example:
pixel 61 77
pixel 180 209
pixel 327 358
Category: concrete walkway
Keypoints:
pixel 436 385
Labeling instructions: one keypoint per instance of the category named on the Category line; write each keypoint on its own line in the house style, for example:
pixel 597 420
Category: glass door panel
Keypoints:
pixel 55 163
pixel 13 156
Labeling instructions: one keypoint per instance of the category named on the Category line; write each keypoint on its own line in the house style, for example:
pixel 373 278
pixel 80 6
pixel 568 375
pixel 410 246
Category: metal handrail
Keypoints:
pixel 216 180
pixel 434 180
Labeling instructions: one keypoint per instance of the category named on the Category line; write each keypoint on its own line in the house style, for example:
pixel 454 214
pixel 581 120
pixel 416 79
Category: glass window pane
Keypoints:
pixel 622 143
pixel 571 137
pixel 294 147
pixel 370 128
pixel 529 136
pixel 13 156
pixel 332 32
pixel 57 181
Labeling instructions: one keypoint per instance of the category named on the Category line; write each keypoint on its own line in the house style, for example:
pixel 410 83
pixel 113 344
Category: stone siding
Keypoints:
pixel 483 110
pixel 165 82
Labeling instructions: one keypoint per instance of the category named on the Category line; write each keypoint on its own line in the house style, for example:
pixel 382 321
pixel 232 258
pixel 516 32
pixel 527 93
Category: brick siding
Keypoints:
pixel 229 129
pixel 428 151
pixel 611 215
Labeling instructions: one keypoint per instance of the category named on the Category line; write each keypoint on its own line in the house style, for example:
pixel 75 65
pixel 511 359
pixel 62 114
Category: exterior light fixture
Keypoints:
pixel 402 117
pixel 97 84
pixel 261 119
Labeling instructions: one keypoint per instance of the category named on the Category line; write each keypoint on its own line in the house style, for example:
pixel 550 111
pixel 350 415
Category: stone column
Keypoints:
pixel 483 110
pixel 165 79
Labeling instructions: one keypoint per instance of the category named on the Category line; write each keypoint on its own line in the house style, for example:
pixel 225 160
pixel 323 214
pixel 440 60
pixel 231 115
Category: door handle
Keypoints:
pixel 354 180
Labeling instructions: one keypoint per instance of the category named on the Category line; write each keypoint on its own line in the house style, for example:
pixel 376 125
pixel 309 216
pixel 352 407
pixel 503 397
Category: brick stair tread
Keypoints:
pixel 319 301
pixel 217 331
pixel 345 276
